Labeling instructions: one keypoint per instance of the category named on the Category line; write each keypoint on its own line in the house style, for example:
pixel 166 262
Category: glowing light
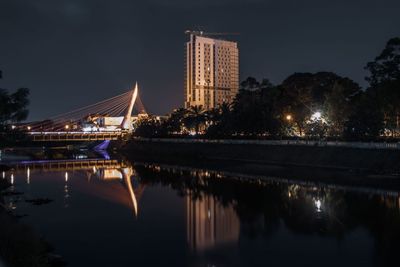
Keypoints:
pixel 66 176
pixel 316 116
pixel 289 117
pixel 29 128
pixel 318 204
pixel 28 176
pixel 67 127
pixel 4 174
pixel 12 179
pixel 13 127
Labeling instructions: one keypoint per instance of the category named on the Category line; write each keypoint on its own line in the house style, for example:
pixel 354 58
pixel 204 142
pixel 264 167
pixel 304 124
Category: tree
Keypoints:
pixel 250 84
pixel 13 107
pixel 384 80
pixel 339 105
pixel 149 127
pixel 366 121
pixel 247 113
pixel 220 121
pixel 194 118
pixel 253 110
pixel 386 66
pixel 304 94
pixel 175 121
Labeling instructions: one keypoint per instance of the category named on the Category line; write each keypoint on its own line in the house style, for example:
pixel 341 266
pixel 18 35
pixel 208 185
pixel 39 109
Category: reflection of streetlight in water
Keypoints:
pixel 66 191
pixel 317 204
pixel 28 176
pixel 11 205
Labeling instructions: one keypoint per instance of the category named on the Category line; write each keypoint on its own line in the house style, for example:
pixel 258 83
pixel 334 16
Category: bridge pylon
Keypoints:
pixel 127 122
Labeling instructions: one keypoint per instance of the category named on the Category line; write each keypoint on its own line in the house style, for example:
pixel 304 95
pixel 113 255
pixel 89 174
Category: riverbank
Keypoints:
pixel 341 165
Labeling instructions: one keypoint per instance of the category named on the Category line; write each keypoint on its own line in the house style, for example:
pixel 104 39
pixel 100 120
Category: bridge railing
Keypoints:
pixel 75 136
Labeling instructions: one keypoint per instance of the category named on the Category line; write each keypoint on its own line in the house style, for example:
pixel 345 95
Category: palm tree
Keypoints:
pixel 176 120
pixel 195 117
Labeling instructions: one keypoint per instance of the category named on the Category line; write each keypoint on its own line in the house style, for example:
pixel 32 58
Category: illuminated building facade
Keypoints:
pixel 211 71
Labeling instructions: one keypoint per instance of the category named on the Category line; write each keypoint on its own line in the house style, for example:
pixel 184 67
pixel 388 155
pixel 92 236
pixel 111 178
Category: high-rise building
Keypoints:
pixel 212 71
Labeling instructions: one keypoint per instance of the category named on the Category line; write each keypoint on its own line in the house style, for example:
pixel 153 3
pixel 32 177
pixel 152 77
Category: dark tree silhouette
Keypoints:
pixel 386 66
pixel 13 107
pixel 384 79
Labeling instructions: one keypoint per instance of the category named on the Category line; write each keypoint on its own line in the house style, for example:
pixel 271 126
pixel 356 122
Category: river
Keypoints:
pixel 103 210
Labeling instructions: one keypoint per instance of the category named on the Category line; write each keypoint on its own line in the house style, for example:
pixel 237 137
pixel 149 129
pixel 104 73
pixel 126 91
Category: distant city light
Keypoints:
pixel 29 128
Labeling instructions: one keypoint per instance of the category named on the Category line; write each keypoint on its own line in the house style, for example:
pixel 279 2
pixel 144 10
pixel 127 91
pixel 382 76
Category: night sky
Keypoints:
pixel 74 53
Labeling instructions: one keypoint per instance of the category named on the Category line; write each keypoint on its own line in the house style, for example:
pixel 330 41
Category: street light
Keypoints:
pixel 66 127
pixel 316 116
pixel 289 117
pixel 29 128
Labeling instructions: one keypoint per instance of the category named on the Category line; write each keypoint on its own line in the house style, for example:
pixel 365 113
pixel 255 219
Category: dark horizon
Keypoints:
pixel 101 49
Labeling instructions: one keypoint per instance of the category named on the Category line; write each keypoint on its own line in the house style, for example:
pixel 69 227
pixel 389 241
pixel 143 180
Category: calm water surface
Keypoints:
pixel 112 212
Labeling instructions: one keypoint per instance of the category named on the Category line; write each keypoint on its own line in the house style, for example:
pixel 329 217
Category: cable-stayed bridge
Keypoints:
pixel 110 119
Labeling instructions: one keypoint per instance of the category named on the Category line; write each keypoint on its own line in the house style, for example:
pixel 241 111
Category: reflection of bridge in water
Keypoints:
pixel 116 173
pixel 110 119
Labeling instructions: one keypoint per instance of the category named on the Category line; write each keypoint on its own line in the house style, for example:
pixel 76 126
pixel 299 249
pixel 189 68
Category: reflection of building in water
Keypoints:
pixel 209 223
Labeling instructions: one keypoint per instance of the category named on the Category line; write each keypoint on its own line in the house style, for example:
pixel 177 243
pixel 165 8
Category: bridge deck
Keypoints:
pixel 75 136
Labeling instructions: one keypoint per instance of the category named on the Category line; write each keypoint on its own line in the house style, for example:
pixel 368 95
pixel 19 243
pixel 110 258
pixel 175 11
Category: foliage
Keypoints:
pixel 149 127
pixel 366 122
pixel 384 82
pixel 13 107
pixel 386 66
pixel 303 94
pixel 194 117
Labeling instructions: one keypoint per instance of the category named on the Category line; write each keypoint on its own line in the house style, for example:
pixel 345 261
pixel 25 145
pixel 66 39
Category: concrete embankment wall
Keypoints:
pixel 318 155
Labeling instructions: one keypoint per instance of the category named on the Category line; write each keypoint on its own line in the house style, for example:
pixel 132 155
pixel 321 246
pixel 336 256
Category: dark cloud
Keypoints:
pixel 72 53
